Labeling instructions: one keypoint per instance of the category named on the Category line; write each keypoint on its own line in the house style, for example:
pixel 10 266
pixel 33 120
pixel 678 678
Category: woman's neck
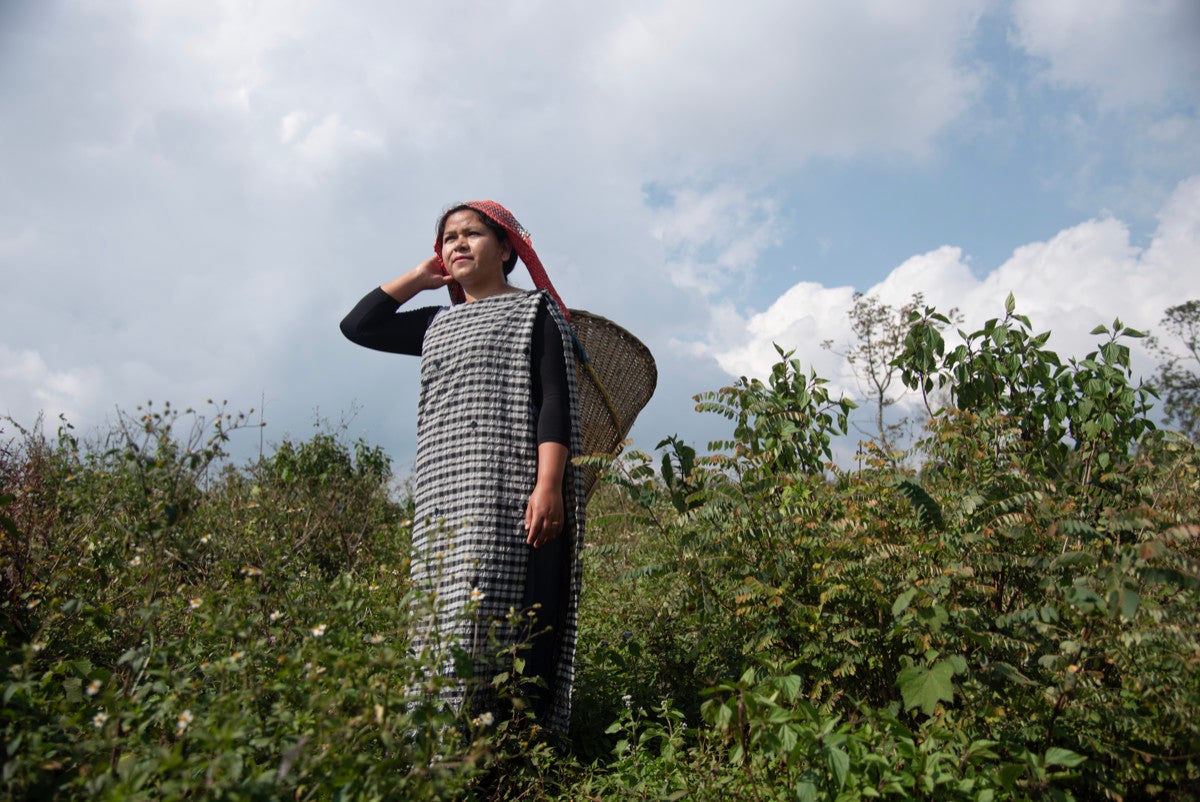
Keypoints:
pixel 479 293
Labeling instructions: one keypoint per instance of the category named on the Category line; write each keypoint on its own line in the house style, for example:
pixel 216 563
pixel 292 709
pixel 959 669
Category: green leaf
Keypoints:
pixel 924 687
pixel 902 602
pixel 790 685
pixel 723 717
pixel 1084 599
pixel 73 690
pixel 1129 603
pixel 1078 529
pixel 789 736
pixel 1008 775
pixel 1071 558
pixel 1058 756
pixel 1170 576
pixel 839 764
pixel 1011 674
pixel 928 512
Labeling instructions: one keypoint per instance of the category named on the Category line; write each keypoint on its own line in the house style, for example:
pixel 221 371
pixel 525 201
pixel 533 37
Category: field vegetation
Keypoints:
pixel 1006 609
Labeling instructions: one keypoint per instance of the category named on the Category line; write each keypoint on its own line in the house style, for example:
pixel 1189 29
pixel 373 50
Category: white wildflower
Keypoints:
pixel 181 723
pixel 318 631
pixel 99 719
pixel 476 595
pixel 628 700
pixel 275 616
pixel 93 687
pixel 373 639
pixel 136 561
pixel 484 720
pixel 195 602
pixel 37 646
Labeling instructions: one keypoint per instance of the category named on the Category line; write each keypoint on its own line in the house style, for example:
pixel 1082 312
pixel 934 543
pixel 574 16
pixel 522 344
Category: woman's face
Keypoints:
pixel 471 251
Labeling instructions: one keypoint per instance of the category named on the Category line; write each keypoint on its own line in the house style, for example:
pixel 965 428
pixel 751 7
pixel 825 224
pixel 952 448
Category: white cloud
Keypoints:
pixel 1124 52
pixel 330 142
pixel 291 125
pixel 225 47
pixel 1082 277
pixel 278 91
pixel 802 318
pixel 786 80
pixel 193 194
pixel 17 242
pixel 714 235
pixel 28 386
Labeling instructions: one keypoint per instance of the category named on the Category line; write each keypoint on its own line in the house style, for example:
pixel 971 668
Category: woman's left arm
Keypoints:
pixel 544 512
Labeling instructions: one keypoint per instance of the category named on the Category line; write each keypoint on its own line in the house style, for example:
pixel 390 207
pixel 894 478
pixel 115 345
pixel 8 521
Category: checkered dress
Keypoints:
pixel 476 467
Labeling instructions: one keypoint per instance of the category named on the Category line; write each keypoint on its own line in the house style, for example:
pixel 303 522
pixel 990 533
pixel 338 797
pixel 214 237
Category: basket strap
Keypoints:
pixel 586 363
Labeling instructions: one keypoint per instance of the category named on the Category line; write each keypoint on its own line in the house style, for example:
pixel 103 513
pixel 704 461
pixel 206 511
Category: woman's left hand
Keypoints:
pixel 543 515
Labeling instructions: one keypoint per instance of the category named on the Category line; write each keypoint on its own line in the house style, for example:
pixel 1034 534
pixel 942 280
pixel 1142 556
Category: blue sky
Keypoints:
pixel 193 194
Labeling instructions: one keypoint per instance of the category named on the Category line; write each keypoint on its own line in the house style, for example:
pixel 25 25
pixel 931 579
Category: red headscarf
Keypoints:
pixel 518 236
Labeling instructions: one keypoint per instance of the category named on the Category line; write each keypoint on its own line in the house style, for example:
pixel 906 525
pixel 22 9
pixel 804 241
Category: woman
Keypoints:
pixel 499 509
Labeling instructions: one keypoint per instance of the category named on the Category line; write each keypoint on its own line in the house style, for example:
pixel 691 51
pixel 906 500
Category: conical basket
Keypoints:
pixel 615 383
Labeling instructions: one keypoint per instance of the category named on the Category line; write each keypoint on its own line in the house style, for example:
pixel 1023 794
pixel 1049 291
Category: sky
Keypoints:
pixel 192 195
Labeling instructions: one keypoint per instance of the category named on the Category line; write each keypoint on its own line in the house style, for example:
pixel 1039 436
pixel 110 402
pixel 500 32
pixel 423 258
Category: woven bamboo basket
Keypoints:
pixel 613 390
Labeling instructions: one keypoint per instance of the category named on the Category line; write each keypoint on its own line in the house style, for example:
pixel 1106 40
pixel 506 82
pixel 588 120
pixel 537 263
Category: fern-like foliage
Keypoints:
pixel 929 513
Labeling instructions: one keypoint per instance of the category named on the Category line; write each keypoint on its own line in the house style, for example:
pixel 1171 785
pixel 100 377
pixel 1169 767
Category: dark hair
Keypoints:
pixel 500 231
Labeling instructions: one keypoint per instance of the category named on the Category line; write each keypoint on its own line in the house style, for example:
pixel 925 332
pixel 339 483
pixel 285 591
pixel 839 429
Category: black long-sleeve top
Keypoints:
pixel 375 323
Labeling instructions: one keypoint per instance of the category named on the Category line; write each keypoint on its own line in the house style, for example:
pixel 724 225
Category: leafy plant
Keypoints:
pixel 1178 374
pixel 1015 618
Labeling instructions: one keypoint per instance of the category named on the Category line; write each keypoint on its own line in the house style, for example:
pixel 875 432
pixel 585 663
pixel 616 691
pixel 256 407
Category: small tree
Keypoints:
pixel 880 331
pixel 1177 379
pixel 1087 407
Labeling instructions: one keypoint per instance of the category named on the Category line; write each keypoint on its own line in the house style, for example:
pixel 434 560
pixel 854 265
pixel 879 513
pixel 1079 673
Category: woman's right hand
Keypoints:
pixel 427 275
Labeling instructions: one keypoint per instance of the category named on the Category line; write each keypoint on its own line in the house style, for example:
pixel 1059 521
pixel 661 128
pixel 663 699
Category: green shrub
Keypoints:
pixel 174 630
pixel 1015 618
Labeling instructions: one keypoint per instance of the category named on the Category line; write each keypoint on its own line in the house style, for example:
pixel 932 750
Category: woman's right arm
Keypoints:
pixel 374 322
pixel 426 276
